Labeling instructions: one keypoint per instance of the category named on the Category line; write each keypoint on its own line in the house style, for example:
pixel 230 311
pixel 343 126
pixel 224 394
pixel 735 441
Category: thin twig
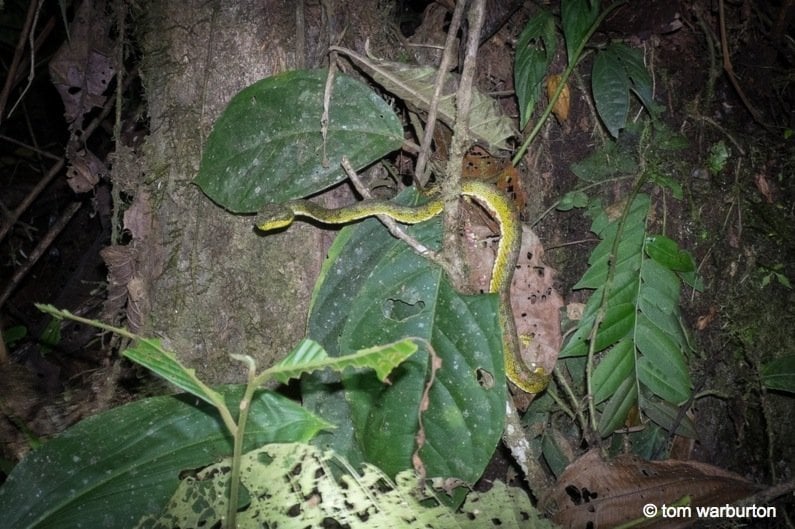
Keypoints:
pixel 32 61
pixel 390 223
pixel 45 243
pixel 28 200
pixel 447 58
pixel 15 62
pixel 729 68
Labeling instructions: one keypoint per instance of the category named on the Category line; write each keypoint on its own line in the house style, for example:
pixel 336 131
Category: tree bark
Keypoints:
pixel 205 280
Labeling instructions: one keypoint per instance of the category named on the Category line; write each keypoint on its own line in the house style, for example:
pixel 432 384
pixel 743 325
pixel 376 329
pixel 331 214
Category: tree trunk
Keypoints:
pixel 205 280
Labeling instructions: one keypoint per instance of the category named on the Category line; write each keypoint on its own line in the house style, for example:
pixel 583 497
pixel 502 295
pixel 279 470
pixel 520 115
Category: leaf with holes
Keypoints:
pixel 375 289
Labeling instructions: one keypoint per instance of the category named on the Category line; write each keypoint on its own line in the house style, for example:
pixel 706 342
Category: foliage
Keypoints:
pixel 633 319
pixel 301 486
pixel 403 294
pixel 247 165
pixel 111 469
pixel 779 374
pixel 179 435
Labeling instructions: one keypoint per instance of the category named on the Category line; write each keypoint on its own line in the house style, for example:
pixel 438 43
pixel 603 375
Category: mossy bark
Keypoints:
pixel 206 281
pixel 215 287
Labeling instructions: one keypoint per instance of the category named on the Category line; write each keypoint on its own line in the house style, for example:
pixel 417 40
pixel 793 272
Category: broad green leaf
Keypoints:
pixel 363 300
pixel 610 160
pixel 616 365
pixel 309 357
pixel 780 374
pixel 632 61
pixel 641 328
pixel 666 252
pixel 111 469
pixel 267 147
pixel 610 86
pixel 535 50
pixel 577 17
pixel 571 200
pixel 149 353
pixel 617 408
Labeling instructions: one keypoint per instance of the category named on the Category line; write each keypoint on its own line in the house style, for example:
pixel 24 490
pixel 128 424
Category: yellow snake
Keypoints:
pixel 275 216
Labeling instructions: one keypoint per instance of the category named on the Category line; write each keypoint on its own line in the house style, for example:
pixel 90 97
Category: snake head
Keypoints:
pixel 274 216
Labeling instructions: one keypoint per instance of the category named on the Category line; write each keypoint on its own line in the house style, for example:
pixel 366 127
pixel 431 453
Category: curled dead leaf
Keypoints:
pixel 561 108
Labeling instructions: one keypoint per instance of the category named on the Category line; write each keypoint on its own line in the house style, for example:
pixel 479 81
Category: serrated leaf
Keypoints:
pixel 577 16
pixel 415 86
pixel 151 354
pixel 779 374
pixel 666 252
pixel 535 50
pixel 267 147
pixel 309 357
pixel 610 86
pixel 353 308
pixel 112 468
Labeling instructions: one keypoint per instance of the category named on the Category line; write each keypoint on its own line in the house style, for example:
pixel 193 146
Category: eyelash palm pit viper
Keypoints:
pixel 275 216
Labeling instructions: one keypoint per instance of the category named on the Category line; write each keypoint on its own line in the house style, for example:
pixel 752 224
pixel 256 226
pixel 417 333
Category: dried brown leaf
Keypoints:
pixel 599 494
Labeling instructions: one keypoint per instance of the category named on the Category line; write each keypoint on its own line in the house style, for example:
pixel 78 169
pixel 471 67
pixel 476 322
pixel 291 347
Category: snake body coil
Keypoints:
pixel 275 216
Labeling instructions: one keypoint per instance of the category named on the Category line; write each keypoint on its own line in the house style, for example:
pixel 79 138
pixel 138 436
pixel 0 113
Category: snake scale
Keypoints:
pixel 275 216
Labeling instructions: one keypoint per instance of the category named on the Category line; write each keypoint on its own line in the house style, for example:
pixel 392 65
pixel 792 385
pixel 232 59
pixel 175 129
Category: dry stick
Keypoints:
pixel 32 60
pixel 28 200
pixel 45 243
pixel 390 223
pixel 727 66
pixel 12 70
pixel 447 58
pixel 55 169
pixel 451 186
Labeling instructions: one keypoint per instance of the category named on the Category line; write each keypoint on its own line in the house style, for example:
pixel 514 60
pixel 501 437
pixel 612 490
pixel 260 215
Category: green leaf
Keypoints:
pixel 571 200
pixel 666 252
pixel 282 478
pixel 535 50
pixel 309 357
pixel 615 366
pixel 151 354
pixel 610 86
pixel 668 416
pixel 610 160
pixel 267 145
pixel 111 469
pixel 617 408
pixel 632 61
pixel 577 17
pixel 354 307
pixel 780 374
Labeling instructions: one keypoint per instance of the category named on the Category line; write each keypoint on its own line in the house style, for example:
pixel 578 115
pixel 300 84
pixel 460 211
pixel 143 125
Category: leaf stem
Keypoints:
pixel 564 78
